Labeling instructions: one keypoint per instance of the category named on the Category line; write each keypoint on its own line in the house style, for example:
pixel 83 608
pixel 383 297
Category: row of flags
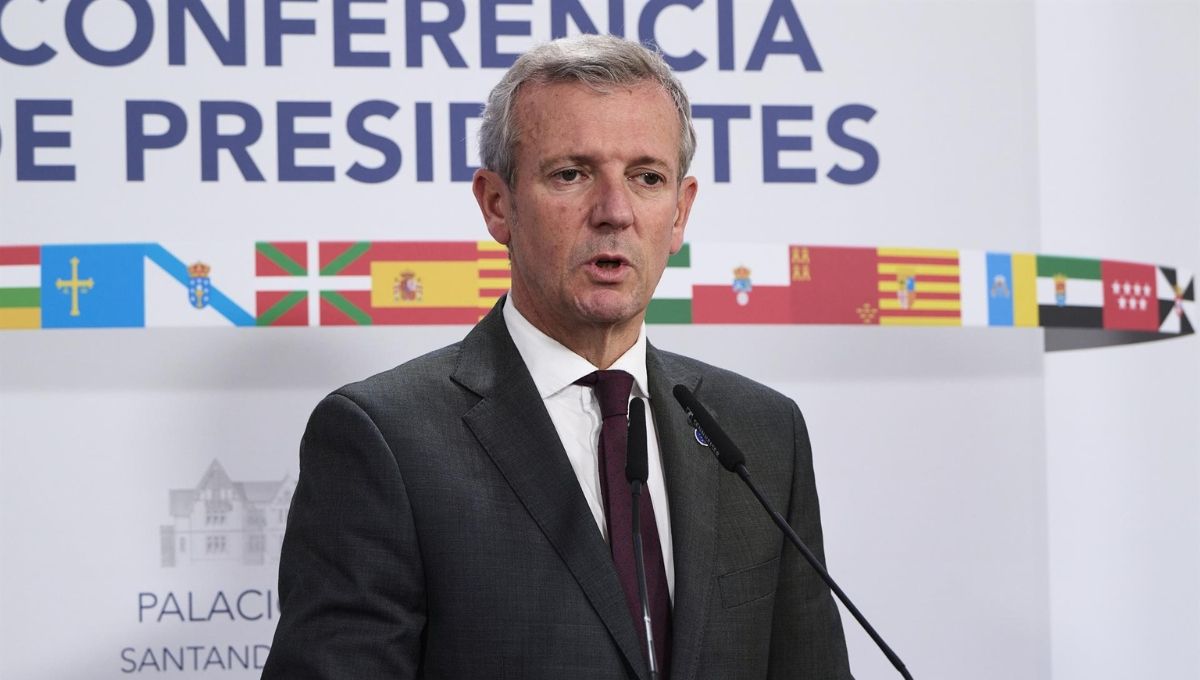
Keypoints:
pixel 340 283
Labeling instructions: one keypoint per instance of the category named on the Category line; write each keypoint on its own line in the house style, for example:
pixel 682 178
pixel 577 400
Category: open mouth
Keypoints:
pixel 608 264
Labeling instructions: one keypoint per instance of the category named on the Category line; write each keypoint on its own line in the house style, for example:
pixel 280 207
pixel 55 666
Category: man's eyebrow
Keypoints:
pixel 588 160
pixel 570 159
pixel 651 160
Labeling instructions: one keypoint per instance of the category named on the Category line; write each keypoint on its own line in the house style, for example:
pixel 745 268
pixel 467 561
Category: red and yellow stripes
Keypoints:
pixel 411 282
pixel 918 287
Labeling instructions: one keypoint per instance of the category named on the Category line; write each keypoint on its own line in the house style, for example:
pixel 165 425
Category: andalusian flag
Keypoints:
pixel 918 287
pixel 1070 292
pixel 20 287
pixel 672 301
pixel 411 282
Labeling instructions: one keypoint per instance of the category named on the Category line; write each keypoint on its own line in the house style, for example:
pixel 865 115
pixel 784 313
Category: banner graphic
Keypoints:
pixel 360 283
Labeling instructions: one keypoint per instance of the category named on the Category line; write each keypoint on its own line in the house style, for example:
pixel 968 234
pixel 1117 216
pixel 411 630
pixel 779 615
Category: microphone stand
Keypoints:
pixel 731 458
pixel 636 488
pixel 636 471
pixel 821 571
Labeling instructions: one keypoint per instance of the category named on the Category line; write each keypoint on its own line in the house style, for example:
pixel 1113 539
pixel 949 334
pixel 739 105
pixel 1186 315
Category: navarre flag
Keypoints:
pixel 202 283
pixel 740 283
pixel 1176 291
pixel 93 286
pixel 672 301
pixel 1130 296
pixel 419 282
pixel 1070 292
pixel 281 294
pixel 918 287
pixel 833 285
pixel 997 289
pixel 20 287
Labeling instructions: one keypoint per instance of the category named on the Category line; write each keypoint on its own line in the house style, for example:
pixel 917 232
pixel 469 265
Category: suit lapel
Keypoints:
pixel 691 475
pixel 515 430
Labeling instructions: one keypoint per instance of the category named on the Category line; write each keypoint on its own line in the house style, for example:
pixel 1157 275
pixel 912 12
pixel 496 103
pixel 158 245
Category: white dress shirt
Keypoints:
pixel 575 412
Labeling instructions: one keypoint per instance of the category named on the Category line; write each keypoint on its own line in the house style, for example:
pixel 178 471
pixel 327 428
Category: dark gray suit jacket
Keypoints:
pixel 438 531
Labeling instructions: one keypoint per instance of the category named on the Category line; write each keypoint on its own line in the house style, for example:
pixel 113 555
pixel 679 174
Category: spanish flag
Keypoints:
pixel 411 282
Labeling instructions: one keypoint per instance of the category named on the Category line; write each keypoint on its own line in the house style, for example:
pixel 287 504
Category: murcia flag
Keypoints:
pixel 833 285
pixel 414 282
pixel 1176 301
pixel 1130 296
pixel 1070 292
pixel 20 287
pixel 918 287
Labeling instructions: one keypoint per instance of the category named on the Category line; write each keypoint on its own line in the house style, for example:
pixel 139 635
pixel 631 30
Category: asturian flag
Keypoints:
pixel 93 286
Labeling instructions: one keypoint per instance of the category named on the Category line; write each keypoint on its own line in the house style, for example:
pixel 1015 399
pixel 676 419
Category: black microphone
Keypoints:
pixel 637 469
pixel 731 458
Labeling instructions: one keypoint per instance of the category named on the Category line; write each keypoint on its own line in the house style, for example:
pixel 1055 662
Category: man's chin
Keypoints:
pixel 610 308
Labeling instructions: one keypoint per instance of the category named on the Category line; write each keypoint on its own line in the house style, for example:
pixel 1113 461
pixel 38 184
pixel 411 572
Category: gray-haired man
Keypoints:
pixel 457 517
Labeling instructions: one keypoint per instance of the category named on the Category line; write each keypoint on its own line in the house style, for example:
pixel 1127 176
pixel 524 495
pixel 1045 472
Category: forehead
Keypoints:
pixel 572 118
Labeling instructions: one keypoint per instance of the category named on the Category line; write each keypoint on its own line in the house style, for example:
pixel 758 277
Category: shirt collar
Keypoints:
pixel 554 367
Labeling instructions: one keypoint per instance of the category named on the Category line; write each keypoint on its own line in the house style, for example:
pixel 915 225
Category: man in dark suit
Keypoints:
pixel 457 516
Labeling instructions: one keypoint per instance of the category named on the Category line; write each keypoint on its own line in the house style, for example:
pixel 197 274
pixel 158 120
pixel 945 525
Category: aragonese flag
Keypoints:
pixel 918 287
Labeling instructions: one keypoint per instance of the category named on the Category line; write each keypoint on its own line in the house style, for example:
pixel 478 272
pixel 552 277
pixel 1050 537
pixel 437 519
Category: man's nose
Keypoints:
pixel 613 205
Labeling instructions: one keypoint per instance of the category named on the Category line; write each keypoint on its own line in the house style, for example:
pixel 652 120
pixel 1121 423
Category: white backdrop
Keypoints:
pixel 997 511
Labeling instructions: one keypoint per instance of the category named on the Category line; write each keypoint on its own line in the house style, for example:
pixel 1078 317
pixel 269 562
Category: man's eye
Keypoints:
pixel 569 175
pixel 651 178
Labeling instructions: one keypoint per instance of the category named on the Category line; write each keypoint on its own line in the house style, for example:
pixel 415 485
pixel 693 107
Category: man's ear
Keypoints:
pixel 491 192
pixel 683 208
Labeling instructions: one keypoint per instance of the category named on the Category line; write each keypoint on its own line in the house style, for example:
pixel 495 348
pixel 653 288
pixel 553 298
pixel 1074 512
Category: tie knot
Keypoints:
pixel 612 390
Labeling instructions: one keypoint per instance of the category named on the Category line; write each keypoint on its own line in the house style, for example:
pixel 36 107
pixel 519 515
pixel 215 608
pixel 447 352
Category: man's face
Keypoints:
pixel 596 205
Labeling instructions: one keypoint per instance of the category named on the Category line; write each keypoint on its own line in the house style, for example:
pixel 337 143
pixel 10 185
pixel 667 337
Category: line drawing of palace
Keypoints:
pixel 223 521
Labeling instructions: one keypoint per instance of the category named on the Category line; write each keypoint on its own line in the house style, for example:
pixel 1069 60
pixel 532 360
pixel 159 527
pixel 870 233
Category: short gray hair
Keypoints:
pixel 598 61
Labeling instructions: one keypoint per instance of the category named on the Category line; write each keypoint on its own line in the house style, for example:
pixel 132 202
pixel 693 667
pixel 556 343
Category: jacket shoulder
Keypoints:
pixel 722 384
pixel 413 380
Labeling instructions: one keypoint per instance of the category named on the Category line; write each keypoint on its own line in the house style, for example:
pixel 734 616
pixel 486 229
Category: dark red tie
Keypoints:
pixel 612 391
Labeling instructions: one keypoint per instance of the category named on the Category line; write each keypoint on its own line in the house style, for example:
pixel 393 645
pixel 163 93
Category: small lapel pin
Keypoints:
pixel 700 438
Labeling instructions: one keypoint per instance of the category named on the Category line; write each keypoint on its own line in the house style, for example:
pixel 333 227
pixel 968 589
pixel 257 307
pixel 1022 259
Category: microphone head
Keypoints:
pixel 636 466
pixel 727 453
